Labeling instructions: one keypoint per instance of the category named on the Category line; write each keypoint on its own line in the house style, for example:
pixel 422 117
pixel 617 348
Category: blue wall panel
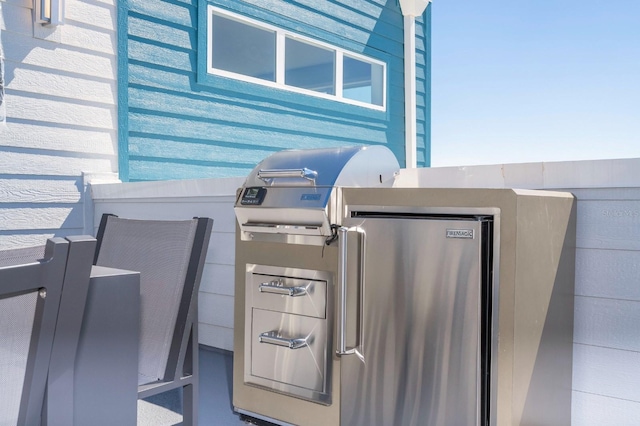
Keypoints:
pixel 423 77
pixel 177 121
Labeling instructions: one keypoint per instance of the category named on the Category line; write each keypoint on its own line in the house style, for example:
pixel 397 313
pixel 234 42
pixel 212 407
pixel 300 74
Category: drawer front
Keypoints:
pixel 292 295
pixel 289 354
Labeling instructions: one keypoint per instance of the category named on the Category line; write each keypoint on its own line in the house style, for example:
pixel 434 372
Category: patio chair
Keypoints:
pixel 31 285
pixel 59 403
pixel 170 257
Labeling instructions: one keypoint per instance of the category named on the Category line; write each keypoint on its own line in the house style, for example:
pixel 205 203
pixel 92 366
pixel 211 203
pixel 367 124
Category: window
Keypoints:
pixel 363 81
pixel 309 67
pixel 248 50
pixel 243 49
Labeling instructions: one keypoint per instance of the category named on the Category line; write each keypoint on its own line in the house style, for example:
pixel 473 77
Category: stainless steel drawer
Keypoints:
pixel 289 354
pixel 292 295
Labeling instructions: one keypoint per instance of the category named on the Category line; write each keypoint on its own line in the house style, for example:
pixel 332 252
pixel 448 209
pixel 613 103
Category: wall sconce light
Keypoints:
pixel 49 12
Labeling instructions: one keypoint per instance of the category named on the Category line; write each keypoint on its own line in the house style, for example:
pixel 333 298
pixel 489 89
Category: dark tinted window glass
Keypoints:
pixel 309 67
pixel 243 49
pixel 362 81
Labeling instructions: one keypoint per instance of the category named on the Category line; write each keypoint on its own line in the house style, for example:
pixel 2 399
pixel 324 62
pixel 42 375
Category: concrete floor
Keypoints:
pixel 216 380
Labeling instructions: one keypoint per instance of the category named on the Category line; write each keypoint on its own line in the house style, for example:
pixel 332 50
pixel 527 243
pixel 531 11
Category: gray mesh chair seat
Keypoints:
pixel 170 257
pixel 32 284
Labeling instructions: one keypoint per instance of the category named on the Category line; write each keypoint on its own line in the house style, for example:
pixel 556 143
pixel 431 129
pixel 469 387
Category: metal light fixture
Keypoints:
pixel 49 12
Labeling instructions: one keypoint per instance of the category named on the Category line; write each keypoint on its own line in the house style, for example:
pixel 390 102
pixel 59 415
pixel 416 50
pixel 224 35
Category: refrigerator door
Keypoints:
pixel 418 358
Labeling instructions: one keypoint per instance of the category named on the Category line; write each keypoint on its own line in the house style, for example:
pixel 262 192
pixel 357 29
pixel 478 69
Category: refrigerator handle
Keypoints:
pixel 343 233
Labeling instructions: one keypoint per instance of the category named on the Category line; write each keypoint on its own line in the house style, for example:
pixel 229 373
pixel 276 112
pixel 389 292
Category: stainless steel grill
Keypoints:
pixel 302 188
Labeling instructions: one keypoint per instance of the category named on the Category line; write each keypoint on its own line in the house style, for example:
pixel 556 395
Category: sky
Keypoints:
pixel 518 81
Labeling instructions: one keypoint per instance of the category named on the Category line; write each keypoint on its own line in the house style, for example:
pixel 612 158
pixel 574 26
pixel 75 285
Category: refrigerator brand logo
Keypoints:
pixel 460 233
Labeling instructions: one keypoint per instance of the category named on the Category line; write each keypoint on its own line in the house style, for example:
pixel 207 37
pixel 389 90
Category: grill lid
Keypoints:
pixel 348 166
pixel 290 192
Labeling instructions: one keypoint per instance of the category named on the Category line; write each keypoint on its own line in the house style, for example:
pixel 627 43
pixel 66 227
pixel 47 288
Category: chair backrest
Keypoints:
pixel 59 397
pixel 31 282
pixel 170 257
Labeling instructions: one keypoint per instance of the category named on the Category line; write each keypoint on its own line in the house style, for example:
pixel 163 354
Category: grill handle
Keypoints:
pixel 343 245
pixel 272 338
pixel 268 175
pixel 276 287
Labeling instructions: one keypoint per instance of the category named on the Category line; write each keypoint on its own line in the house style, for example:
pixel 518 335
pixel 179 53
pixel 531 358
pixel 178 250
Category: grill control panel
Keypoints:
pixel 253 196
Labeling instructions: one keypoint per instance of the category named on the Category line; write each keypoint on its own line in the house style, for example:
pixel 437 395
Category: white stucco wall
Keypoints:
pixel 607 296
pixel 61 97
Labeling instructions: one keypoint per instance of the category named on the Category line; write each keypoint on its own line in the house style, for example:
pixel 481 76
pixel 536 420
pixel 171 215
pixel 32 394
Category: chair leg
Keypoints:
pixel 190 392
pixel 190 404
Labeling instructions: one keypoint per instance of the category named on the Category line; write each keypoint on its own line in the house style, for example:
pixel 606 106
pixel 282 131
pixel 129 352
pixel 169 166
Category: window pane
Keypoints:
pixel 309 67
pixel 363 81
pixel 243 49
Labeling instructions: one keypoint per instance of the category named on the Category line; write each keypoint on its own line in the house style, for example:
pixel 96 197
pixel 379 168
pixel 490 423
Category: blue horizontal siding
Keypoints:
pixel 153 55
pixel 176 12
pixel 190 128
pixel 183 123
pixel 154 170
pixel 424 88
pixel 359 34
pixel 194 149
pixel 291 122
pixel 162 32
pixel 179 83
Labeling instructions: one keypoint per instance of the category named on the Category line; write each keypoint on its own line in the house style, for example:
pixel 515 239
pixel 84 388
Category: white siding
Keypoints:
pixel 607 294
pixel 596 410
pixel 61 97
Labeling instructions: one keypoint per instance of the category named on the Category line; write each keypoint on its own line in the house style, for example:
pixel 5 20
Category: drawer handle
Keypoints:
pixel 276 287
pixel 272 338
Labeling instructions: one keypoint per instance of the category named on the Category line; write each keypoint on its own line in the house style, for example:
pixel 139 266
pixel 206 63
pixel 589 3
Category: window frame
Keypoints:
pixel 279 83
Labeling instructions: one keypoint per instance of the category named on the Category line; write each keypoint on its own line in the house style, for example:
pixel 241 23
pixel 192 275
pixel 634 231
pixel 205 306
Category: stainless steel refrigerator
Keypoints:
pixel 420 353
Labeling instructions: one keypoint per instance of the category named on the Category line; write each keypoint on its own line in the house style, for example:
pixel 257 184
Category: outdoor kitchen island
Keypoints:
pixel 360 304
